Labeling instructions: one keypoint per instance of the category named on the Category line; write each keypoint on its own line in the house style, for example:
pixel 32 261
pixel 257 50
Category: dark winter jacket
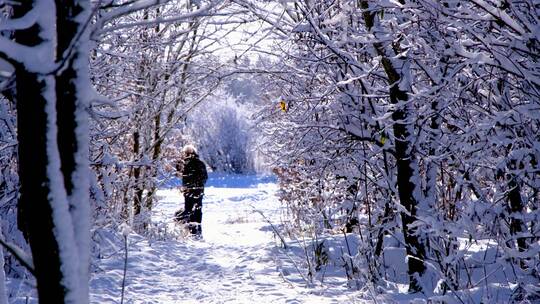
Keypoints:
pixel 194 174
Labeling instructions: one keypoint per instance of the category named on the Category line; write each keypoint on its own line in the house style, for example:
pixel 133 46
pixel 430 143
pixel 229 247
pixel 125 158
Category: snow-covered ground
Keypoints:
pixel 239 259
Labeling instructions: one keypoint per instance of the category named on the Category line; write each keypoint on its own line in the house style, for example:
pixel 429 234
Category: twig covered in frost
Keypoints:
pixel 3 294
pixel 273 227
pixel 125 230
pixel 308 262
pixel 297 267
pixel 353 268
pixel 19 254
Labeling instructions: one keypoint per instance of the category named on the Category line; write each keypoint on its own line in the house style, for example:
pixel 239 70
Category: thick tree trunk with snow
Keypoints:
pixel 71 106
pixel 66 91
pixel 34 209
pixel 406 176
pixel 34 206
pixel 416 251
pixel 53 209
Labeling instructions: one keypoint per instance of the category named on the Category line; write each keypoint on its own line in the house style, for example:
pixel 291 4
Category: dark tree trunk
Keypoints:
pixel 414 246
pixel 34 206
pixel 516 209
pixel 158 142
pixel 66 91
pixel 39 114
pixel 137 199
pixel 67 143
pixel 382 231
pixel 415 249
pixel 71 138
pixel 35 212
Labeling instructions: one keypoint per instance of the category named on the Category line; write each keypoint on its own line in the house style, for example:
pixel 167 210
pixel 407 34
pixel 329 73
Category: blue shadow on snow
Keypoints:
pixel 226 180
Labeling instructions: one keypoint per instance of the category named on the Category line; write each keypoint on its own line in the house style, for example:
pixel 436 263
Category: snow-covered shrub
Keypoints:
pixel 221 130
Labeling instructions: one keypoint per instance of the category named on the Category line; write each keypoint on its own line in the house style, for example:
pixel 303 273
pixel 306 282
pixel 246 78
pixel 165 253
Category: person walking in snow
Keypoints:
pixel 194 177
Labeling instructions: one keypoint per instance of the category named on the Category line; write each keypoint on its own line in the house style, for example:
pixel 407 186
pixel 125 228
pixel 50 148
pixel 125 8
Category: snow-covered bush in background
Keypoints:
pixel 221 131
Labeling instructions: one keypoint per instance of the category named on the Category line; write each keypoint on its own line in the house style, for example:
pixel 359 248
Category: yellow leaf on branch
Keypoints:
pixel 283 106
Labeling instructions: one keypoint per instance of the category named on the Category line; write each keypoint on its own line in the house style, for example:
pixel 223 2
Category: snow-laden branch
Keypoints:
pixel 501 62
pixel 500 15
pixel 21 23
pixel 35 59
pixel 273 18
pixel 19 254
pixel 127 9
pixel 101 30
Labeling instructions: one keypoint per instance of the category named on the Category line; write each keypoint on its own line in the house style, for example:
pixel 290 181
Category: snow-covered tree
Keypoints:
pixel 157 73
pixel 47 47
pixel 421 107
pixel 48 44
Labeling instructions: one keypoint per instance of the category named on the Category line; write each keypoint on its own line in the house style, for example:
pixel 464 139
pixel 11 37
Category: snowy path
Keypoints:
pixel 232 263
pixel 235 263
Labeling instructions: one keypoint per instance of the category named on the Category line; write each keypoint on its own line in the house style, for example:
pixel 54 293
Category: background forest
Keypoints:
pixel 413 125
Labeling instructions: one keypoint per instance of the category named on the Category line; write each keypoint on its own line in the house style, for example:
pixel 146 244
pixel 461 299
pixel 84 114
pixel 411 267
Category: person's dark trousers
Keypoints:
pixel 195 218
pixel 193 208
